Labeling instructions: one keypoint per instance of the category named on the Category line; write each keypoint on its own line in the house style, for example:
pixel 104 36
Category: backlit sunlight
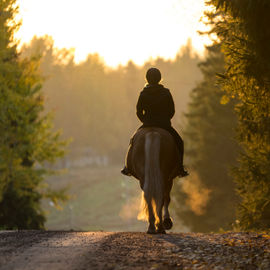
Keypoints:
pixel 117 30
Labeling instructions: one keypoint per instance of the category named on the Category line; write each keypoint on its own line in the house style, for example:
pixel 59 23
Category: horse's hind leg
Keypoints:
pixel 167 222
pixel 160 225
pixel 151 216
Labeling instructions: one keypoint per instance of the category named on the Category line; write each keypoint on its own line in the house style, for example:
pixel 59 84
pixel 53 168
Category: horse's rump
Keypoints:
pixel 168 154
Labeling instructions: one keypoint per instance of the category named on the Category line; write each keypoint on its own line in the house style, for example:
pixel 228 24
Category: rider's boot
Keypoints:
pixel 182 172
pixel 125 171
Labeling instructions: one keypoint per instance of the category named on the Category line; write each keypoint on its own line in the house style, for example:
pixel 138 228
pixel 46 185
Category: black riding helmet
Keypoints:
pixel 153 76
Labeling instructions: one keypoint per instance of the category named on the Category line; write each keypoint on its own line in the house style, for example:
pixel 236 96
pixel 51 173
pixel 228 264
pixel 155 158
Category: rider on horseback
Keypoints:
pixel 155 108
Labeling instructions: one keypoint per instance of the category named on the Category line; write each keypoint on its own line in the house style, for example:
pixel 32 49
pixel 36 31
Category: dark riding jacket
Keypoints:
pixel 155 106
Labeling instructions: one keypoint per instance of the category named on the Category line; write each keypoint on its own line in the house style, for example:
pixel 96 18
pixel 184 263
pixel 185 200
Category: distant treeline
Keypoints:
pixel 96 105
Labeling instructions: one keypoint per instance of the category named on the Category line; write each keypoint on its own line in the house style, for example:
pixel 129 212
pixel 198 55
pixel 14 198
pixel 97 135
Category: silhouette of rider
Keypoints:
pixel 155 108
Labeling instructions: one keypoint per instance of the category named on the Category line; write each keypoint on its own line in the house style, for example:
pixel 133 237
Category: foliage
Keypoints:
pixel 207 200
pixel 26 141
pixel 243 28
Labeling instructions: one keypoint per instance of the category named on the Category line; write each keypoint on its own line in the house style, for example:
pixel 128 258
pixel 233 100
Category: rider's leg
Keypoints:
pixel 125 170
pixel 180 146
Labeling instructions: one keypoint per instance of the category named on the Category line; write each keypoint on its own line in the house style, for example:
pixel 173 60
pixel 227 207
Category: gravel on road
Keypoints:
pixel 129 250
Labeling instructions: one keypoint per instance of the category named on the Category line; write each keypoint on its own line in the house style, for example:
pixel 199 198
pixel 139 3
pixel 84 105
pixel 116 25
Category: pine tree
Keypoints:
pixel 243 29
pixel 207 200
pixel 26 140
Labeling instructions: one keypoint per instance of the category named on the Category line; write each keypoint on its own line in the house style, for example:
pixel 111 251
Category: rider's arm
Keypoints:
pixel 140 109
pixel 171 109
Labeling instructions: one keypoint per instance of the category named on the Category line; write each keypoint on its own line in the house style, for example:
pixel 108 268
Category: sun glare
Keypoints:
pixel 117 30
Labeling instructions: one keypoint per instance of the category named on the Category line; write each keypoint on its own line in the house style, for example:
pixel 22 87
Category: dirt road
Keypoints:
pixel 104 250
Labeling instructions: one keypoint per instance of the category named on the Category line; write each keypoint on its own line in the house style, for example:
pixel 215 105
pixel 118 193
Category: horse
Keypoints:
pixel 154 160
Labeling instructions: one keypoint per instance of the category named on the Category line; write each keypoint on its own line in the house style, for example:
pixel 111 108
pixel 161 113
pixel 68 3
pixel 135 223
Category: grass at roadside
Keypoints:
pixel 98 196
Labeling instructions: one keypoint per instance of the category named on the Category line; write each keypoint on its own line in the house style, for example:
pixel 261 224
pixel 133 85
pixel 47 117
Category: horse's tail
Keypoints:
pixel 152 197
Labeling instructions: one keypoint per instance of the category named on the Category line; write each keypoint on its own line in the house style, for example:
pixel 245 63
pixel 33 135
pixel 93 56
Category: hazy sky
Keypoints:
pixel 118 30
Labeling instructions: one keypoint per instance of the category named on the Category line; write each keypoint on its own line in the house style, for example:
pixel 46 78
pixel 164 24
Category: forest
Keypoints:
pixel 54 111
pixel 94 104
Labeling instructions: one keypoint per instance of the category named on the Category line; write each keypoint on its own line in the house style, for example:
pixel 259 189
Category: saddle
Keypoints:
pixel 128 169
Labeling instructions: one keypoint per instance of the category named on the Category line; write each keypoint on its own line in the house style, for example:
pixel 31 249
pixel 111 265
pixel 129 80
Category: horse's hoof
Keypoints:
pixel 161 231
pixel 151 229
pixel 151 232
pixel 167 223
